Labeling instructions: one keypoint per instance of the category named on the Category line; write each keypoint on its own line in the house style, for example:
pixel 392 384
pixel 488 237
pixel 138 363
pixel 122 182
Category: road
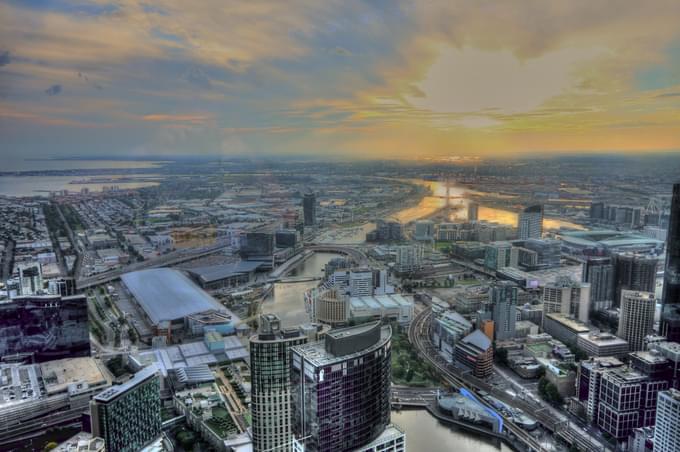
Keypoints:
pixel 172 258
pixel 420 339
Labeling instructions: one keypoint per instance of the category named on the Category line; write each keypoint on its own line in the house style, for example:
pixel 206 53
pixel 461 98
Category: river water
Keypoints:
pixel 458 200
pixel 423 432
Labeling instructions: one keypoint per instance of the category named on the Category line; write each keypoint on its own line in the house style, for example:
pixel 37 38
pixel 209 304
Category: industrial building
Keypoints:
pixel 224 276
pixel 38 396
pixel 172 303
pixel 394 307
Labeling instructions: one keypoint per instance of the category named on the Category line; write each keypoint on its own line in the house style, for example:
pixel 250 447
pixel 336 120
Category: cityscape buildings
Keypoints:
pixel 670 300
pixel 341 389
pixel 270 388
pixel 568 297
pixel 637 317
pixel 503 298
pixel 128 416
pixel 667 427
pixel 309 208
pixel 530 223
pixel 634 272
pixel 599 273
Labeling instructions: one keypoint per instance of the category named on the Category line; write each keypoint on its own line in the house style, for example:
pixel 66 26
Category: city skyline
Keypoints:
pixel 359 79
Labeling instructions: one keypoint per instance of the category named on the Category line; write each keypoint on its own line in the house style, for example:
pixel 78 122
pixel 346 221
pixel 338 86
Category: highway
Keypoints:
pixel 418 336
pixel 169 259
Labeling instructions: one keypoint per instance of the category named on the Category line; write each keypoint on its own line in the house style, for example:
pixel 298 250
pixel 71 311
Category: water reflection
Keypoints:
pixel 425 433
pixel 287 299
pixel 458 201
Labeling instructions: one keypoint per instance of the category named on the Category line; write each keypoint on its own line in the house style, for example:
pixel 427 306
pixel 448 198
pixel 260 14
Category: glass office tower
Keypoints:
pixel 670 300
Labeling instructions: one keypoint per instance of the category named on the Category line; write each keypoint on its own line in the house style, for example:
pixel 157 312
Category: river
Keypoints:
pixel 458 200
pixel 423 432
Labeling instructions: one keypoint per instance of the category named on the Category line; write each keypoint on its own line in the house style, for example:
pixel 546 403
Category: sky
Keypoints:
pixel 372 79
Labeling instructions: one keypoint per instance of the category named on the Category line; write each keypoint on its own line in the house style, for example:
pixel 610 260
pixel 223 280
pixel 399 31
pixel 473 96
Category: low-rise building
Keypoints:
pixel 599 344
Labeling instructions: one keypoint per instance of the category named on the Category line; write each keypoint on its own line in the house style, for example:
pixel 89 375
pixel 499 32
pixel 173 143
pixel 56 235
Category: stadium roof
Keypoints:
pixel 166 294
pixel 212 273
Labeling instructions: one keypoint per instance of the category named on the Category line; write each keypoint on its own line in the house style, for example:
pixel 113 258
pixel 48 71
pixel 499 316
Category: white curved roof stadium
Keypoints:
pixel 166 294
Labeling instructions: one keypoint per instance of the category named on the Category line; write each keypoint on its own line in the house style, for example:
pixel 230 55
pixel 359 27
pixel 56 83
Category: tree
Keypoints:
pixel 502 356
pixel 51 445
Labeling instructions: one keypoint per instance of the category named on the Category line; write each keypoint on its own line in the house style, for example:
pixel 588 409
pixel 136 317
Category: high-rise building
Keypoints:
pixel 270 386
pixel 473 211
pixel 30 278
pixel 503 298
pixel 128 416
pixel 547 253
pixel 667 427
pixel 588 382
pixel 670 300
pixel 599 273
pixel 634 272
pixel 309 208
pixel 530 223
pixel 475 351
pixel 424 230
pixel 568 297
pixel 44 328
pixel 637 317
pixel 409 258
pixel 500 254
pixel 341 389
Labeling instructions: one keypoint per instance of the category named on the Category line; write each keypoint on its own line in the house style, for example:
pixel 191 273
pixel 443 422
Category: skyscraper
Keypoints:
pixel 500 254
pixel 270 387
pixel 503 297
pixel 667 428
pixel 473 211
pixel 670 300
pixel 309 208
pixel 568 297
pixel 634 272
pixel 128 416
pixel 637 317
pixel 530 223
pixel 599 273
pixel 341 389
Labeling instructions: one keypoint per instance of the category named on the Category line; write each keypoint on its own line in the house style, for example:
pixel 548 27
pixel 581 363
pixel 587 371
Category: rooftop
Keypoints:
pixel 166 294
pixel 478 339
pixel 212 273
pixel 57 375
pixel 319 354
pixel 114 391
pixel 568 322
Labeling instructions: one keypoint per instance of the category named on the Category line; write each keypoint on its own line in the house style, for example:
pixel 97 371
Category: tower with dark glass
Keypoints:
pixel 341 389
pixel 670 300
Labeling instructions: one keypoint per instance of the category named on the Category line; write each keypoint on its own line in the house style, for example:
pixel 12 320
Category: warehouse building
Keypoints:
pixel 171 303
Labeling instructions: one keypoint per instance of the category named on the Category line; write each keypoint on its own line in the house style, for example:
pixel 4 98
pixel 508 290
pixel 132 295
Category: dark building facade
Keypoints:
pixel 44 328
pixel 128 416
pixel 309 208
pixel 257 244
pixel 599 273
pixel 341 388
pixel 634 272
pixel 670 300
pixel 270 386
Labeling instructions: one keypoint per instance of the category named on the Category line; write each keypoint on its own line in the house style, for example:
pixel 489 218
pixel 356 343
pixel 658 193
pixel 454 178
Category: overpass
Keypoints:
pixel 173 258
pixel 351 251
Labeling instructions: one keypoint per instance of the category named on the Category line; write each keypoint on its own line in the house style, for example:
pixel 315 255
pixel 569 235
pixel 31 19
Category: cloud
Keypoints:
pixel 53 90
pixel 197 76
pixel 177 118
pixel 4 58
pixel 341 51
